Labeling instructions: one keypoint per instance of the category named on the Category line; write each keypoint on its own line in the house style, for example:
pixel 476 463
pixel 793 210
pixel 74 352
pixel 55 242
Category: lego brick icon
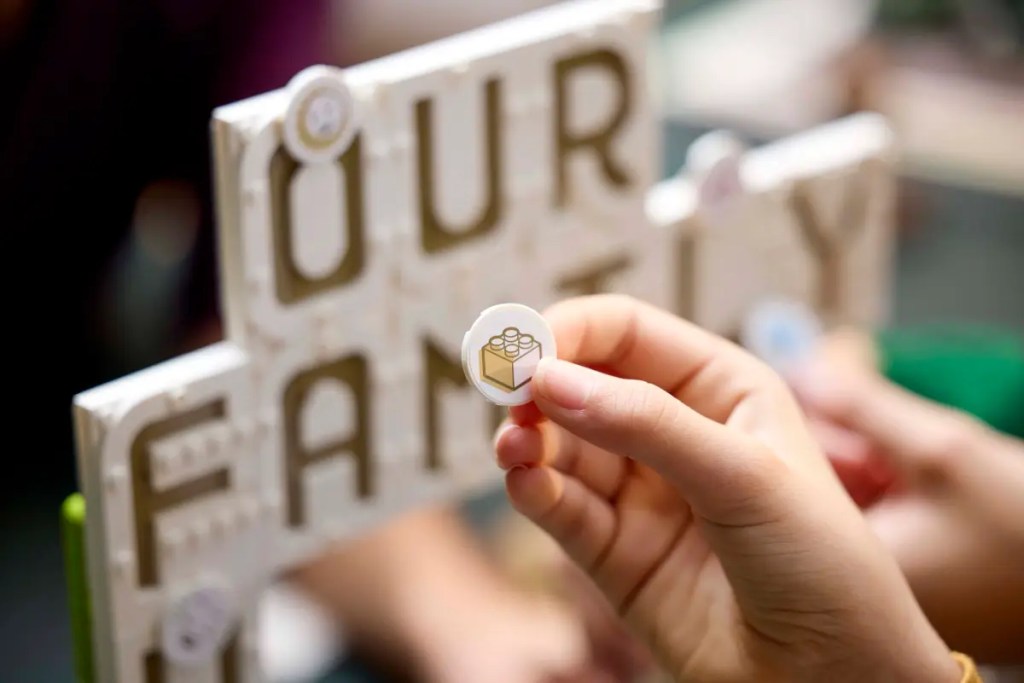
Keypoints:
pixel 507 360
pixel 502 349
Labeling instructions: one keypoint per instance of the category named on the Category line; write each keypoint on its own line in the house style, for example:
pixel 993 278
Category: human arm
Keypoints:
pixel 419 599
pixel 681 476
pixel 942 490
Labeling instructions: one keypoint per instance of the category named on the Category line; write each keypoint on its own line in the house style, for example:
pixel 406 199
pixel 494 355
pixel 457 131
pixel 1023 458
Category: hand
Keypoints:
pixel 534 562
pixel 694 496
pixel 943 491
pixel 420 601
pixel 502 635
pixel 616 653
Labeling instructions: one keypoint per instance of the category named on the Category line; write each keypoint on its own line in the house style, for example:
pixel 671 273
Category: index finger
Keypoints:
pixel 636 340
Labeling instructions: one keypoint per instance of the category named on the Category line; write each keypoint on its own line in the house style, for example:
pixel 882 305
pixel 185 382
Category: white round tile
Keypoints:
pixel 715 160
pixel 501 350
pixel 197 625
pixel 320 120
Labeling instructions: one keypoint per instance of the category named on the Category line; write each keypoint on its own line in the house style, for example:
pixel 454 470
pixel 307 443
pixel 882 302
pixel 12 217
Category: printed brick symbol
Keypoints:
pixel 507 361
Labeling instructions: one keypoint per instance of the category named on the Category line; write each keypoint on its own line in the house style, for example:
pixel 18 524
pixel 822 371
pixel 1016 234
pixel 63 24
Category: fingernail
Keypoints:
pixel 812 382
pixel 500 432
pixel 565 384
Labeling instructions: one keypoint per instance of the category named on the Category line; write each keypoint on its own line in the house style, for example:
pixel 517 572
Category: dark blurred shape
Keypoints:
pixel 106 200
pixel 103 98
pixel 917 13
pixel 147 275
pixel 994 28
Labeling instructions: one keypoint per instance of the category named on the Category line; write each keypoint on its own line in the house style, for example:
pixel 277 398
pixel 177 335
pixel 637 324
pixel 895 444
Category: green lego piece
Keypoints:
pixel 72 526
pixel 979 370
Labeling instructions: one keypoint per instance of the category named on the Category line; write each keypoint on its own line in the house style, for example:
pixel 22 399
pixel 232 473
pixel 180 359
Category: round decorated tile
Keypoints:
pixel 197 625
pixel 501 350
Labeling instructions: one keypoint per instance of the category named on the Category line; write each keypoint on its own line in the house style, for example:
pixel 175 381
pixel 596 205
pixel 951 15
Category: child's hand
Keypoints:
pixel 944 492
pixel 694 496
pixel 532 560
pixel 501 636
pixel 419 600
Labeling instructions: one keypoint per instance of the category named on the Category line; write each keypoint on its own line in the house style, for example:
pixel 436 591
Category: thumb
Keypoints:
pixel 914 435
pixel 725 476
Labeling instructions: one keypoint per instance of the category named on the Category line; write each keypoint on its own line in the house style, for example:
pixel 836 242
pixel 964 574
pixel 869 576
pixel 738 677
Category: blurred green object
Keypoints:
pixel 72 528
pixel 979 370
pixel 676 9
pixel 944 15
pixel 917 13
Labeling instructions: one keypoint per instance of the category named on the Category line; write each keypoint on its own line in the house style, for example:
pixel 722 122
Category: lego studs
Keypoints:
pixel 197 625
pixel 501 350
pixel 320 120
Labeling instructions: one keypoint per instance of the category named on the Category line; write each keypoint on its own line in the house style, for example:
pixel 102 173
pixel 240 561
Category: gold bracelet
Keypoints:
pixel 970 670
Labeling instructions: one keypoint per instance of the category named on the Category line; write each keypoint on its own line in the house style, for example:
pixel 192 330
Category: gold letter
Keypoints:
pixel 600 139
pixel 827 245
pixel 352 372
pixel 149 502
pixel 434 235
pixel 595 279
pixel 439 369
pixel 291 284
pixel 686 276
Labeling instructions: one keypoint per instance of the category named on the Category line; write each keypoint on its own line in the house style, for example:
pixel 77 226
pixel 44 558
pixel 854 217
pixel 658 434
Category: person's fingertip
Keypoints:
pixel 824 389
pixel 838 443
pixel 563 384
pixel 533 491
pixel 808 380
pixel 519 447
pixel 499 433
pixel 526 414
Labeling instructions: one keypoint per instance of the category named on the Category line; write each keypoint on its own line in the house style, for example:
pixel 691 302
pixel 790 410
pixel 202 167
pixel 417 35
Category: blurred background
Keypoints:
pixel 106 191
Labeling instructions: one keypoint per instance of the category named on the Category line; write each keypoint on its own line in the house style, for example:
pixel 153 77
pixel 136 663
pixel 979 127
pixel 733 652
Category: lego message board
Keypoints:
pixel 366 216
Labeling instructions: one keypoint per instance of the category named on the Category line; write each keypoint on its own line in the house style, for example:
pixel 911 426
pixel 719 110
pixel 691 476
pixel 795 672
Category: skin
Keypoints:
pixel 679 473
pixel 535 562
pixel 412 595
pixel 944 492
pixel 390 589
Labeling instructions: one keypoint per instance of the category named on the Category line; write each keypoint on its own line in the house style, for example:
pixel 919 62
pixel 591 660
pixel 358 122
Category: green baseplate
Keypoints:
pixel 977 370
